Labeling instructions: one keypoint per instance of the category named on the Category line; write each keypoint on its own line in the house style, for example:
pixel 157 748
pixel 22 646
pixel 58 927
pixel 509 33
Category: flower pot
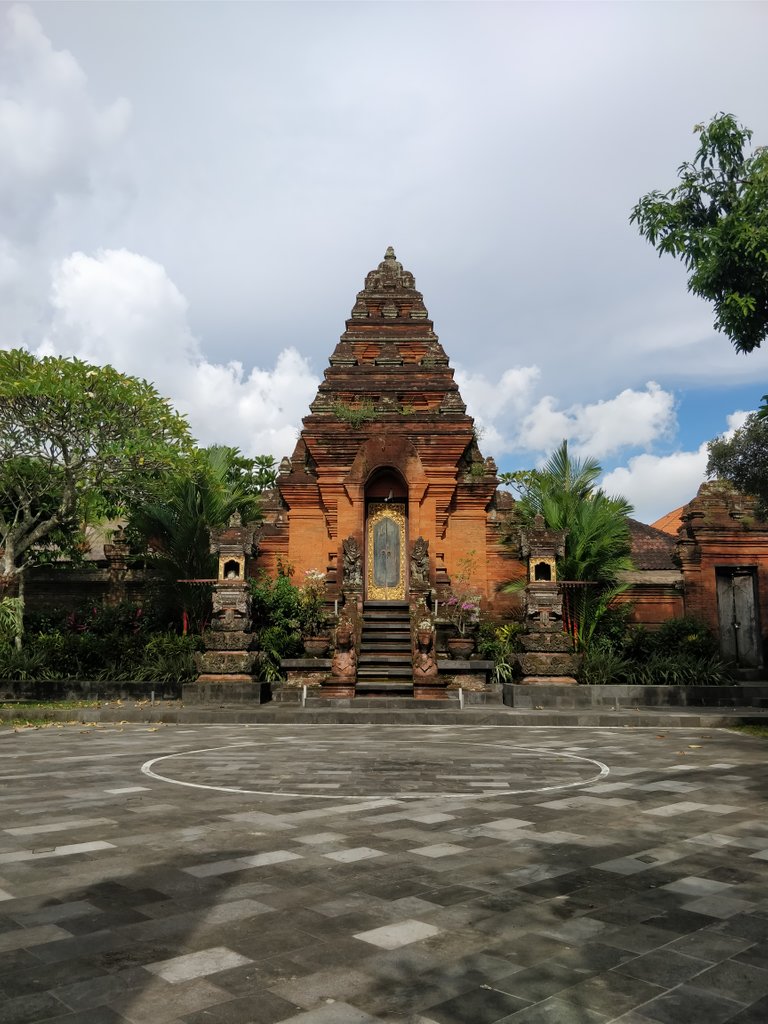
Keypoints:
pixel 461 646
pixel 316 646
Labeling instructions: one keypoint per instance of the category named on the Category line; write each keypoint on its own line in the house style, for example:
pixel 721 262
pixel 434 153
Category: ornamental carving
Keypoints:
pixel 420 562
pixel 353 563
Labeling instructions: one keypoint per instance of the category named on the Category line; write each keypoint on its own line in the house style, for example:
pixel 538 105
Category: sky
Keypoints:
pixel 194 192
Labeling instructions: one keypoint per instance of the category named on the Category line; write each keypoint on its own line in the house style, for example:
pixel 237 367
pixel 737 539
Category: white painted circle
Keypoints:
pixel 489 749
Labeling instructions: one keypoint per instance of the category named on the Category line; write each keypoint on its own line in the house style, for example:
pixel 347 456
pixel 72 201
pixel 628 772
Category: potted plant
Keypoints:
pixel 313 620
pixel 462 608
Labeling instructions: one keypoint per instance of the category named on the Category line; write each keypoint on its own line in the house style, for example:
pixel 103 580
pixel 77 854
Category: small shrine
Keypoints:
pixel 228 665
pixel 549 650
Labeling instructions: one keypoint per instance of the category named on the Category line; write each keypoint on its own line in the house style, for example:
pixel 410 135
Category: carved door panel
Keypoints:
pixel 737 613
pixel 385 552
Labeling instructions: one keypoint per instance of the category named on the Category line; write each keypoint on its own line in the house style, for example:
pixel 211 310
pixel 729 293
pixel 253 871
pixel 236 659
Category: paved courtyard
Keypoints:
pixel 352 874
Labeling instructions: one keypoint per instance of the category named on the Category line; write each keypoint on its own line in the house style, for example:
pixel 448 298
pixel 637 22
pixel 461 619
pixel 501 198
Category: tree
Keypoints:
pixel 716 221
pixel 206 490
pixel 253 476
pixel 75 440
pixel 597 548
pixel 743 459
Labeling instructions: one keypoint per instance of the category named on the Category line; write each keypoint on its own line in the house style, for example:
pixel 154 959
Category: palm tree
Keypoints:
pixel 177 528
pixel 597 548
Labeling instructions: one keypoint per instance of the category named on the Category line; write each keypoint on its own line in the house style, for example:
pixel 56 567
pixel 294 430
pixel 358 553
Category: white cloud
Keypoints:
pixel 657 484
pixel 121 308
pixel 490 400
pixel 512 420
pixel 632 419
pixel 736 421
pixel 53 134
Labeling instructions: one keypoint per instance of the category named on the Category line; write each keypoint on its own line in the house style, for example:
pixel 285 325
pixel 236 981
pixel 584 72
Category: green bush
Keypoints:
pixel 602 664
pixel 681 652
pixel 22 664
pixel 98 643
pixel 501 644
pixel 170 658
pixel 277 622
pixel 686 634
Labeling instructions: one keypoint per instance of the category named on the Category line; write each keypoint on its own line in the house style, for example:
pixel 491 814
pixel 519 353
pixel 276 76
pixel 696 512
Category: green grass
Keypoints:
pixel 752 730
pixel 30 714
pixel 26 704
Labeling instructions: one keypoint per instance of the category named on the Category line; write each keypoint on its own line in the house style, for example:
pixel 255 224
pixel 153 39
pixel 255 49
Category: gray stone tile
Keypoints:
pixel 757 1013
pixel 479 1005
pixel 29 1009
pixel 401 933
pixel 161 1003
pixel 709 945
pixel 439 850
pixel 352 856
pixel 611 993
pixel 198 870
pixel 663 967
pixel 688 1005
pixel 536 983
pixel 338 1013
pixel 258 1008
pixel 735 980
pixel 323 986
pixel 197 965
pixel 556 1010
pixel 692 886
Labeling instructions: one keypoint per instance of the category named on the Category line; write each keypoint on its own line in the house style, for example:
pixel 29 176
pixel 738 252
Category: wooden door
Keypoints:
pixel 385 551
pixel 737 613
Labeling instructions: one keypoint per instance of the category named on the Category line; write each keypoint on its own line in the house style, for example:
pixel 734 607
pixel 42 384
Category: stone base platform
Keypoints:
pixel 228 690
pixel 616 696
pixel 548 681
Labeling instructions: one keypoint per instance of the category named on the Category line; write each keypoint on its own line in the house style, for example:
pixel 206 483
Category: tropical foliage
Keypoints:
pixel 597 546
pixel 501 644
pixel 277 621
pixel 120 642
pixel 742 459
pixel 716 221
pixel 202 495
pixel 76 441
pixel 11 620
pixel 681 652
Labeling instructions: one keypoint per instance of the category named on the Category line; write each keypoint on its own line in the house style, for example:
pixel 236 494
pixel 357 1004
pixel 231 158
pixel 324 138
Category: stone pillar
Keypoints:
pixel 549 655
pixel 228 663
pixel 116 554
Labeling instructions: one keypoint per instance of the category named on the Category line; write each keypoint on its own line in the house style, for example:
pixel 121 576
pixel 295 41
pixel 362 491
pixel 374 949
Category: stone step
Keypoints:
pixel 368 672
pixel 385 647
pixel 386 627
pixel 383 686
pixel 384 702
pixel 390 605
pixel 385 658
pixel 400 640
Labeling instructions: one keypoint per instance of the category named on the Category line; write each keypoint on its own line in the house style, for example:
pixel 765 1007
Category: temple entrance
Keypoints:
pixel 386 538
pixel 737 613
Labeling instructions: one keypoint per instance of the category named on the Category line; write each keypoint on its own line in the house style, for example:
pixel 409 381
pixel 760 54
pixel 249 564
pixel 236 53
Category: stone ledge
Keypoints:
pixel 307 664
pixel 615 696
pixel 216 691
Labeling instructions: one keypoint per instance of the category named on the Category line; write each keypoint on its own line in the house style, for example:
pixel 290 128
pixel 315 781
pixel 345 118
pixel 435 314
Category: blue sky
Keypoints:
pixel 195 192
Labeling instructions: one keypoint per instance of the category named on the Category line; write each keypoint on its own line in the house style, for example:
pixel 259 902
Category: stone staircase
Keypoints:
pixel 385 661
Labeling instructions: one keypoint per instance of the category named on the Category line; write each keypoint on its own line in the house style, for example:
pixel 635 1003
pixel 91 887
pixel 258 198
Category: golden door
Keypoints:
pixel 385 575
